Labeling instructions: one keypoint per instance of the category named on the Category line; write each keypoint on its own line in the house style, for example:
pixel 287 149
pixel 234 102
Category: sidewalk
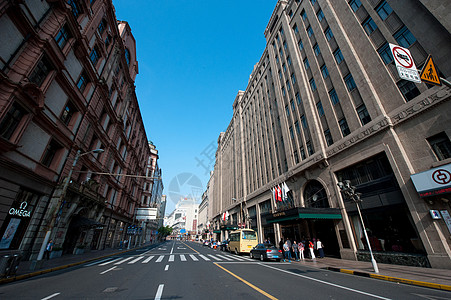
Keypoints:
pixel 426 277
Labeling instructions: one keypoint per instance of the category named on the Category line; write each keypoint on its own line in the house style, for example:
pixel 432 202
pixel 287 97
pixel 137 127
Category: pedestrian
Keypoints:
pixel 295 248
pixel 48 249
pixel 301 250
pixel 286 249
pixel 311 246
pixel 289 245
pixel 281 248
pixel 320 247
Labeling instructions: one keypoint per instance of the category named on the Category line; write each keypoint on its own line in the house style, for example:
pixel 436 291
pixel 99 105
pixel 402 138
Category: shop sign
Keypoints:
pixel 446 218
pixel 435 214
pixel 433 182
pixel 21 211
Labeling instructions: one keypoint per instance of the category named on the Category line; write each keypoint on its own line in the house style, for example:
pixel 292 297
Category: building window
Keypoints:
pixel 313 1
pixel 385 54
pixel 298 99
pixel 288 85
pixel 94 56
pixel 50 152
pixel 344 127
pixel 296 156
pixel 82 82
pixel 316 50
pixel 285 45
pixel 291 133
pixel 277 59
pixel 350 83
pixel 309 31
pixel 369 26
pixel 320 15
pixel 333 97
pixel 293 79
pixel 41 71
pixel 289 61
pixel 355 4
pixel 63 36
pixel 283 91
pixel 441 145
pixel 320 109
pixel 328 137
pixel 68 112
pixel 303 15
pixel 280 76
pixel 312 84
pixel 76 8
pixel 127 56
pixel 363 114
pixel 384 10
pixel 408 89
pixel 404 37
pixel 11 120
pixel 306 64
pixel 338 56
pixel 328 33
pixel 295 28
pixel 102 26
pixel 304 122
pixel 287 109
pixel 301 45
pixel 107 41
pixel 296 126
pixel 303 156
pixel 310 149
pixel 292 105
pixel 284 67
pixel 324 71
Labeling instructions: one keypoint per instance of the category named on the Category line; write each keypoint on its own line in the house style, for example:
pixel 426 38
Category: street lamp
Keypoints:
pixel 349 191
pixel 61 198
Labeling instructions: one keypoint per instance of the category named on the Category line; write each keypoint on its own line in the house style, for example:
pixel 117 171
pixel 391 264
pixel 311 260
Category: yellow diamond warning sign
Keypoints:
pixel 429 74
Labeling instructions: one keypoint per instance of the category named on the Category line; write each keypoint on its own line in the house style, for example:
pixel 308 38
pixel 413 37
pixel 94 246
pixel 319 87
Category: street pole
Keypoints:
pixel 349 191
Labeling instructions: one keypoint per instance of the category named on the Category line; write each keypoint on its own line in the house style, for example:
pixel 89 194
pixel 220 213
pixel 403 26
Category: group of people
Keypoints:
pixel 296 250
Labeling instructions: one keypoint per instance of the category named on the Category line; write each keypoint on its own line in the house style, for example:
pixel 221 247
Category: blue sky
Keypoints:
pixel 193 58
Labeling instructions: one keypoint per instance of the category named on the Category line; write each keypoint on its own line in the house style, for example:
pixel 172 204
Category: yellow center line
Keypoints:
pixel 248 283
pixel 190 248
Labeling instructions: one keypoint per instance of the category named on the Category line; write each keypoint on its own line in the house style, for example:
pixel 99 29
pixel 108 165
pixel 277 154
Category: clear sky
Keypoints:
pixel 193 58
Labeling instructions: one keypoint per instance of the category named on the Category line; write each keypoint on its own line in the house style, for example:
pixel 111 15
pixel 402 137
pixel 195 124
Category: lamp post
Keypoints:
pixel 349 191
pixel 61 198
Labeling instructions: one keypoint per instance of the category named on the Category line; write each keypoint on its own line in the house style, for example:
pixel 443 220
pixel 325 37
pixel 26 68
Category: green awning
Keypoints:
pixel 306 213
pixel 216 231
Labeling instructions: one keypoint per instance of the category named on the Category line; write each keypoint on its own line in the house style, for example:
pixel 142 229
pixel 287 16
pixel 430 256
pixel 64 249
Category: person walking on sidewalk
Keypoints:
pixel 301 250
pixel 311 246
pixel 295 250
pixel 320 247
pixel 286 249
pixel 48 249
pixel 282 249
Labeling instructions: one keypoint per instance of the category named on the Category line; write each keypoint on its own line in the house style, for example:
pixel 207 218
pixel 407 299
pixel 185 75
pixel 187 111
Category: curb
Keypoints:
pixel 29 275
pixel 393 279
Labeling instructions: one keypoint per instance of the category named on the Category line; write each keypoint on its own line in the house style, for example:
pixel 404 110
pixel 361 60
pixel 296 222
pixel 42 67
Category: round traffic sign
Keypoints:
pixel 402 57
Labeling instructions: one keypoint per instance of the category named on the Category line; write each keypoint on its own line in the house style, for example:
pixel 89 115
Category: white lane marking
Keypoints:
pixel 204 257
pixel 160 258
pixel 124 260
pixel 171 257
pixel 235 258
pixel 325 282
pixel 172 247
pixel 214 257
pixel 51 296
pixel 97 262
pixel 159 292
pixel 193 257
pixel 135 260
pixel 224 257
pixel 109 262
pixel 183 248
pixel 182 257
pixel 166 268
pixel 148 259
pixel 110 269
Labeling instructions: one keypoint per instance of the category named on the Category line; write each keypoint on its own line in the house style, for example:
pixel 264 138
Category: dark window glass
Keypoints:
pixel 344 127
pixel 76 8
pixel 292 105
pixel 63 36
pixel 408 89
pixel 68 113
pixel 385 53
pixel 328 33
pixel 94 56
pixel 295 28
pixel 363 114
pixel 320 15
pixel 338 56
pixel 287 109
pixel 296 126
pixel 102 26
pixel 320 109
pixel 82 82
pixel 304 122
pixel 50 152
pixel 441 145
pixel 309 31
pixel 303 15
pixel 41 71
pixel 298 99
pixel 328 137
pixel 296 156
pixel 369 26
pixel 355 4
pixel 306 64
pixel 303 153
pixel 404 37
pixel 293 79
pixel 127 56
pixel 333 97
pixel 316 50
pixel 301 45
pixel 384 10
pixel 11 120
pixel 291 133
pixel 313 84
pixel 310 149
pixel 324 71
pixel 350 83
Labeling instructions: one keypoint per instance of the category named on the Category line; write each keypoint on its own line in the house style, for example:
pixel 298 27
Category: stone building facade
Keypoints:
pixel 325 104
pixel 67 90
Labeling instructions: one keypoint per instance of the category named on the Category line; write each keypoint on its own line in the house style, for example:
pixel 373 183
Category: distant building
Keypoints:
pixel 203 227
pixel 325 104
pixel 184 218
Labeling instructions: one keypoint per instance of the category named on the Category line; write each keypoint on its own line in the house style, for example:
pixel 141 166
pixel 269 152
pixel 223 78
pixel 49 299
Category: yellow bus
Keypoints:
pixel 242 241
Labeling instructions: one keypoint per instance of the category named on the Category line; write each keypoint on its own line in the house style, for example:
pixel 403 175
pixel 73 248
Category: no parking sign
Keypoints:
pixel 404 63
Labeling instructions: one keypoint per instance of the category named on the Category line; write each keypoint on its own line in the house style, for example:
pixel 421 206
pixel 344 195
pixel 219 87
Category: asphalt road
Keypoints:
pixel 187 270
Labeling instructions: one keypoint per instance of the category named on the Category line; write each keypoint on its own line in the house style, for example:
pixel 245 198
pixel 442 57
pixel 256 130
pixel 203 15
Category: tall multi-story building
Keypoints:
pixel 325 104
pixel 203 226
pixel 70 126
pixel 184 218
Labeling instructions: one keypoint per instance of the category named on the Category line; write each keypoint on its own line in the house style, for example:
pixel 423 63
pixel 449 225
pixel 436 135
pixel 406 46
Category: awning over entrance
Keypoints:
pixel 229 227
pixel 83 222
pixel 305 213
pixel 216 231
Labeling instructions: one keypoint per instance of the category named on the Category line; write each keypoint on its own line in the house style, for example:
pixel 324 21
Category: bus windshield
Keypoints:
pixel 249 235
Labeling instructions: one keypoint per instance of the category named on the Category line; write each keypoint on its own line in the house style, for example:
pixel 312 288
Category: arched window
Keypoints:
pixel 127 56
pixel 315 195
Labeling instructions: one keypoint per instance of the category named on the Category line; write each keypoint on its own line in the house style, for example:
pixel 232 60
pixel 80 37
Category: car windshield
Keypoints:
pixel 269 245
pixel 249 235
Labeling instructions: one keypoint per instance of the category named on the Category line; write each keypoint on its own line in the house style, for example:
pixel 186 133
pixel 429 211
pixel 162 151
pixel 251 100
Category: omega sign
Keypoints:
pixel 21 211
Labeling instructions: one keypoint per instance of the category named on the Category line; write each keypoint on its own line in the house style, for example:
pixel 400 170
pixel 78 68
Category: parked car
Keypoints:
pixel 266 251
pixel 223 245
